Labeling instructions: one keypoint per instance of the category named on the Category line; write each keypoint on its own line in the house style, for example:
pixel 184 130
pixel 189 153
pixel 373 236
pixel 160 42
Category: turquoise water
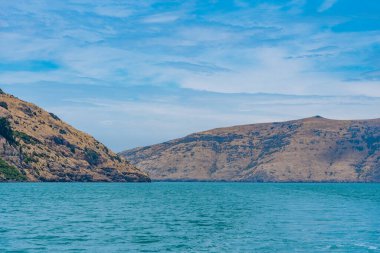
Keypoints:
pixel 189 217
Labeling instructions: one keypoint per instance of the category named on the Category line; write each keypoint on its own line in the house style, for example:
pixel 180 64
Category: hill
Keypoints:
pixel 307 150
pixel 37 146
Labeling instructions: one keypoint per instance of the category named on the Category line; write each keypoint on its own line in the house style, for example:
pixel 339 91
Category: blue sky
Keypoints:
pixel 134 73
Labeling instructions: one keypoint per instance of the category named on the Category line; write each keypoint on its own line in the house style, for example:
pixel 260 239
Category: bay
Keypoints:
pixel 189 217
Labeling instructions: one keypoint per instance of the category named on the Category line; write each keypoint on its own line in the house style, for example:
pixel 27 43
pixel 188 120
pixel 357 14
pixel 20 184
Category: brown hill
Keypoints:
pixel 37 146
pixel 307 150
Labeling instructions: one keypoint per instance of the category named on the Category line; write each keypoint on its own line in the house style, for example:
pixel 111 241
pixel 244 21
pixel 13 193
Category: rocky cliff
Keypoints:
pixel 37 146
pixel 307 150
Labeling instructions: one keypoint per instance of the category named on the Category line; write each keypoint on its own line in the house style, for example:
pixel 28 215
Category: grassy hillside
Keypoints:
pixel 306 150
pixel 36 145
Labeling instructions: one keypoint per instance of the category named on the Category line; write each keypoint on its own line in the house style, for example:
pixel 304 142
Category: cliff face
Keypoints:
pixel 37 146
pixel 307 150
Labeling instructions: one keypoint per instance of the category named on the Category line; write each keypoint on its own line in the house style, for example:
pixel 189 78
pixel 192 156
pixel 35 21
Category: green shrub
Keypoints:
pixel 6 131
pixel 72 148
pixel 91 156
pixel 62 131
pixel 118 158
pixel 10 172
pixel 4 104
pixel 54 116
pixel 1 92
pixel 26 138
pixel 30 159
pixel 59 140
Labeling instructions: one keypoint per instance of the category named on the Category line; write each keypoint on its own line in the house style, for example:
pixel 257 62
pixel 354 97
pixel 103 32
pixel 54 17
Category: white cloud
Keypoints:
pixel 264 51
pixel 161 18
pixel 327 4
pixel 117 12
pixel 269 70
pixel 252 48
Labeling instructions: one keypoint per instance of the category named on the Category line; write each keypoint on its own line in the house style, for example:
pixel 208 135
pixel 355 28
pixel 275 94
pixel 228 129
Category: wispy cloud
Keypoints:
pixel 202 67
pixel 295 47
pixel 112 11
pixel 161 18
pixel 255 48
pixel 327 4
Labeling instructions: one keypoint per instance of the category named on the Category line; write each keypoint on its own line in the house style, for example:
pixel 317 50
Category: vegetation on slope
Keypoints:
pixel 307 150
pixel 9 172
pixel 36 145
pixel 6 131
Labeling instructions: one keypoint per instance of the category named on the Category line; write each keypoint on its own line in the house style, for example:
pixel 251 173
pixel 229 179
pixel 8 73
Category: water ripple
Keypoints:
pixel 189 217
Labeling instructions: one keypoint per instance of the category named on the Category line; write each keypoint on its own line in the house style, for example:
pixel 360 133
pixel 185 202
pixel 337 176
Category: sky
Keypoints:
pixel 135 73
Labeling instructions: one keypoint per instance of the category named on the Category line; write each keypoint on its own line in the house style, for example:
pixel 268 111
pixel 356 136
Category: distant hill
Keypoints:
pixel 37 146
pixel 307 150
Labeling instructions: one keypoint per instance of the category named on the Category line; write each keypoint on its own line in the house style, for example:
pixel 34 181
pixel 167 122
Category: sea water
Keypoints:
pixel 189 217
